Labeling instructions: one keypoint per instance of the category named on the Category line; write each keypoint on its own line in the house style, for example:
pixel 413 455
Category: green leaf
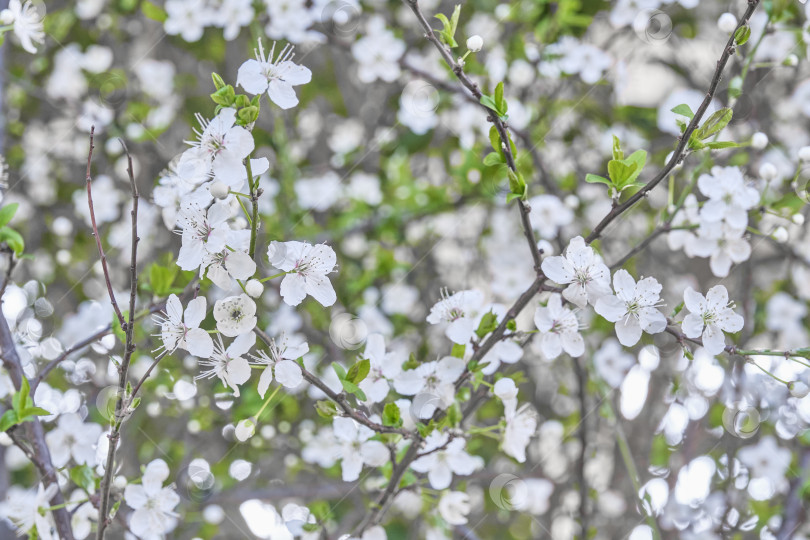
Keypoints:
pixel 20 399
pixel 500 102
pixel 493 158
pixel 248 115
pixel 33 411
pixel 719 145
pixel 715 123
pixel 326 408
pixel 7 212
pixel 596 179
pixel 489 322
pixel 411 363
pixel 489 102
pixel 742 35
pixel 448 32
pixel 83 477
pixel 517 185
pixel 637 159
pixel 154 12
pixel 683 110
pixel 359 371
pixel 13 239
pixel 352 388
pixel 339 370
pixel 458 350
pixel 8 420
pixel 620 171
pixel 218 81
pixel 117 330
pixel 225 96
pixel 617 148
pixel 392 416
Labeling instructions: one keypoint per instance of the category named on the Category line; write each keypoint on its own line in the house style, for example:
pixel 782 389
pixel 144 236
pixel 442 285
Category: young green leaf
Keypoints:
pixel 391 415
pixel 359 371
pixel 683 110
pixel 7 212
pixel 715 123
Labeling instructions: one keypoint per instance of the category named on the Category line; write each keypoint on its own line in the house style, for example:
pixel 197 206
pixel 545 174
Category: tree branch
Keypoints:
pixel 129 348
pixel 39 453
pixel 683 141
pixel 88 179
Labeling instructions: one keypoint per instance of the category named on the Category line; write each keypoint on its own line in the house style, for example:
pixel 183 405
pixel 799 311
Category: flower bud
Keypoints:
pixel 798 389
pixel 780 235
pixel 759 140
pixel 767 171
pixel 218 190
pixel 792 60
pixel 245 429
pixel 475 43
pixel 798 219
pixel 804 153
pixel 727 23
pixel 254 288
pixel 6 16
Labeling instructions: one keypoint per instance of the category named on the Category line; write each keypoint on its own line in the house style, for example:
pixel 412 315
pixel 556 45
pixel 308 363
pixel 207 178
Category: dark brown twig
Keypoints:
pixel 89 180
pixel 129 348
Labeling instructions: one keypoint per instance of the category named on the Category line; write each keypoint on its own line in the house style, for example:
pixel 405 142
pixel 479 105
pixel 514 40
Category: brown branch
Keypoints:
pixel 98 237
pixel 129 348
pixel 35 434
pixel 683 141
pixel 492 116
pixel 340 398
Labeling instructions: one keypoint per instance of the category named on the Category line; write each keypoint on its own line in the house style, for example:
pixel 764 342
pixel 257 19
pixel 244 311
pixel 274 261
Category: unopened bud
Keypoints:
pixel 218 190
pixel 254 288
pixel 475 43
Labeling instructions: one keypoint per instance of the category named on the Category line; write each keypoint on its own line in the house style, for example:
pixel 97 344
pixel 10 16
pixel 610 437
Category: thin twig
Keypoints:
pixel 89 180
pixel 123 369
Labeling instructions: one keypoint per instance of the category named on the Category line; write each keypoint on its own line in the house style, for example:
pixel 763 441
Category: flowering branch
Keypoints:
pixel 683 141
pixel 39 453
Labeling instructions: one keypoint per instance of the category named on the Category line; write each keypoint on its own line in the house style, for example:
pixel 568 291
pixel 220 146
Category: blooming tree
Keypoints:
pixel 417 286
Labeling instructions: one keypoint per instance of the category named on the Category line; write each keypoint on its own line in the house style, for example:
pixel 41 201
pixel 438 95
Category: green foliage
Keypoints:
pixel 391 415
pixel 742 35
pixel 496 102
pixel 489 322
pixel 622 172
pixel 350 380
pixel 11 237
pixel 22 408
pixel 448 33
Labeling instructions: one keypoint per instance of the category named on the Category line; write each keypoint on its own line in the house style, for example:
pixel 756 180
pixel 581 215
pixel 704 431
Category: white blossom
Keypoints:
pixel 228 364
pixel 182 329
pixel 442 457
pixel 152 503
pixel 356 449
pixel 559 329
pixel 280 362
pixel 276 76
pixel 588 277
pixel 307 268
pixel 710 316
pixel 235 315
pixel 454 507
pixel 633 308
pixel 459 310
